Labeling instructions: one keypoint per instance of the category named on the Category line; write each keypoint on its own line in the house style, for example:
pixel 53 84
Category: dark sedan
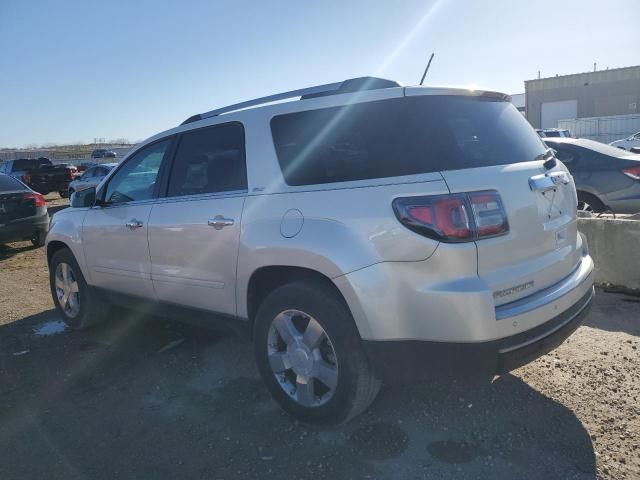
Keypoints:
pixel 607 178
pixel 103 153
pixel 23 212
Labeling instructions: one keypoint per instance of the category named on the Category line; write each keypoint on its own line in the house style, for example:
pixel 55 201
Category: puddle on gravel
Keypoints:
pixel 50 328
pixel 451 451
pixel 380 440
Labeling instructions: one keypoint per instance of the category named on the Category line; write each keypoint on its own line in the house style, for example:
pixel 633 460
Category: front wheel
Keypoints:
pixel 310 355
pixel 77 303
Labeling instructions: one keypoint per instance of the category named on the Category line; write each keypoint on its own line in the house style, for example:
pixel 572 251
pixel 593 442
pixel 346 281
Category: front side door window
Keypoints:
pixel 136 179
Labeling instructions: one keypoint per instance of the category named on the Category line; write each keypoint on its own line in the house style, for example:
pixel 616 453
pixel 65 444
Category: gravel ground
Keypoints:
pixel 144 397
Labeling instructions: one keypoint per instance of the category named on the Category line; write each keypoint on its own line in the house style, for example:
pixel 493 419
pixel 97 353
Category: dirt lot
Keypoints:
pixel 113 403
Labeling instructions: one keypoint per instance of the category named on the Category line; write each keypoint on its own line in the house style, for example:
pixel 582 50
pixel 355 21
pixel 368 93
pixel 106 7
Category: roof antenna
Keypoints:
pixel 426 69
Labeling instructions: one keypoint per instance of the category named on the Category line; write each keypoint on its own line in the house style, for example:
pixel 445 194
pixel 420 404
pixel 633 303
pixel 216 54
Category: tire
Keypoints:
pixel 590 203
pixel 38 238
pixel 64 194
pixel 83 308
pixel 336 355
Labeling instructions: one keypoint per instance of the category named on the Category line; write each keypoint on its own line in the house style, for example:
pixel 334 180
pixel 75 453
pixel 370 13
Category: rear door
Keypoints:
pixel 114 233
pixel 194 232
pixel 484 143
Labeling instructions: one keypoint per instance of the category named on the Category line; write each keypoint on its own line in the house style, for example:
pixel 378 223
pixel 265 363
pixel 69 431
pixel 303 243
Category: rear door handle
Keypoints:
pixel 133 224
pixel 219 222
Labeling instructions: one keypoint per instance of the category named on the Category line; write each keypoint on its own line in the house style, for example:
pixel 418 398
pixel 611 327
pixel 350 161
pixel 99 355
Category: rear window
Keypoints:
pixel 24 163
pixel 397 137
pixel 603 148
pixel 8 184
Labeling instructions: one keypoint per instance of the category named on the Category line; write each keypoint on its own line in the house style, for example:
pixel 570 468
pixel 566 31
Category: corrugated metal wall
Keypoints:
pixel 603 129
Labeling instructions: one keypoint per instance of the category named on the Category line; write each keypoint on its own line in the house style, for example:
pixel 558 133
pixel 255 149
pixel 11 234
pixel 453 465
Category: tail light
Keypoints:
pixel 71 173
pixel 633 172
pixel 454 218
pixel 37 197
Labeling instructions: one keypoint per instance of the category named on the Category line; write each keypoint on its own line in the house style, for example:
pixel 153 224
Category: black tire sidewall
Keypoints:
pixel 65 256
pixel 592 200
pixel 336 320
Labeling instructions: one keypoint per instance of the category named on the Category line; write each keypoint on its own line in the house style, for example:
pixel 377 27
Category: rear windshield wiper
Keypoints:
pixel 549 157
pixel 544 154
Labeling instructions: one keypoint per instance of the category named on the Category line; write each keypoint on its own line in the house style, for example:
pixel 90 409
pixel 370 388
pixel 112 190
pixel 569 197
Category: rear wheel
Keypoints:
pixel 310 355
pixel 38 238
pixel 77 303
pixel 589 203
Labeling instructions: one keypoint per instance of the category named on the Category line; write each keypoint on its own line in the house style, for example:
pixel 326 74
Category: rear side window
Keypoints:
pixel 397 137
pixel 8 184
pixel 209 160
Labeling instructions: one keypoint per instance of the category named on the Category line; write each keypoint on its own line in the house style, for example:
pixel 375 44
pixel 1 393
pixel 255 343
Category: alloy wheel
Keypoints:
pixel 67 290
pixel 302 358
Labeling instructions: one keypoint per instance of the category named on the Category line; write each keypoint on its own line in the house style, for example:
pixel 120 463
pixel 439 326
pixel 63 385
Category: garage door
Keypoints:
pixel 554 111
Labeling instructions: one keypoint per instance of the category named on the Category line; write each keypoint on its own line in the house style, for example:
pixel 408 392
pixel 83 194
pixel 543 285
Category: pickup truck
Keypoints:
pixel 40 174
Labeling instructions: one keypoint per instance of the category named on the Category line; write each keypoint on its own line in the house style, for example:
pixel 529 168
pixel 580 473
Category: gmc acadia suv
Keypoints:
pixel 365 231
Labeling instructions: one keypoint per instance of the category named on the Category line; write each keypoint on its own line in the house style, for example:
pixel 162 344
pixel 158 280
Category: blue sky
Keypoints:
pixel 73 70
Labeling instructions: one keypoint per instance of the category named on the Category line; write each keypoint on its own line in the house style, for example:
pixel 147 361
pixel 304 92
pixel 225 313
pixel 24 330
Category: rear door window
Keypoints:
pixel 209 160
pixel 397 137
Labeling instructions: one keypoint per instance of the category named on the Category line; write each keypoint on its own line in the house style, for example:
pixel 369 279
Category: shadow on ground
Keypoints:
pixel 146 398
pixel 612 313
pixel 9 250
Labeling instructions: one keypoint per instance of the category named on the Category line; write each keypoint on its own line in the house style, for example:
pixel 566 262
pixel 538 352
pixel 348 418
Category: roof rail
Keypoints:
pixel 348 86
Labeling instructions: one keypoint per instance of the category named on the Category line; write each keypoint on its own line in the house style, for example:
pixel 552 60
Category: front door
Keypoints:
pixel 194 232
pixel 114 232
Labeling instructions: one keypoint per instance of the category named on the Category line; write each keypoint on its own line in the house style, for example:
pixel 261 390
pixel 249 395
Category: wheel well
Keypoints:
pixel 584 194
pixel 53 247
pixel 266 279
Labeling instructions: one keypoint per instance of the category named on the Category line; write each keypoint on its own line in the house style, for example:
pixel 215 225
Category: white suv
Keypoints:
pixel 364 232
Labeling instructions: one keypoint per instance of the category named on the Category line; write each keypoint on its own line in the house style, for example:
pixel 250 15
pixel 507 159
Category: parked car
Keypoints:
pixel 606 178
pixel 40 174
pixel 23 212
pixel 103 153
pixel 365 232
pixel 91 177
pixel 553 133
pixel 628 143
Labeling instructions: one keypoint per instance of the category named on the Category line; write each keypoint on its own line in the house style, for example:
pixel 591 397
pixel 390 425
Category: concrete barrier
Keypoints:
pixel 614 245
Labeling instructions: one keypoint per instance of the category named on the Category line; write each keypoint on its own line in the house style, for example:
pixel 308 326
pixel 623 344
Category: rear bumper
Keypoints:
pixel 24 229
pixel 403 361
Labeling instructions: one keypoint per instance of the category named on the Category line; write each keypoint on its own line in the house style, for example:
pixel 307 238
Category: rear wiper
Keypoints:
pixel 551 162
pixel 544 154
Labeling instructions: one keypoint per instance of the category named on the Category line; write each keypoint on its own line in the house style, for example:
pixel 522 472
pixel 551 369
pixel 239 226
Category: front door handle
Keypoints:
pixel 219 222
pixel 133 224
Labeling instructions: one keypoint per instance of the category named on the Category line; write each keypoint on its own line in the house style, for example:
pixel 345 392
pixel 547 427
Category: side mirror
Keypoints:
pixel 83 198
